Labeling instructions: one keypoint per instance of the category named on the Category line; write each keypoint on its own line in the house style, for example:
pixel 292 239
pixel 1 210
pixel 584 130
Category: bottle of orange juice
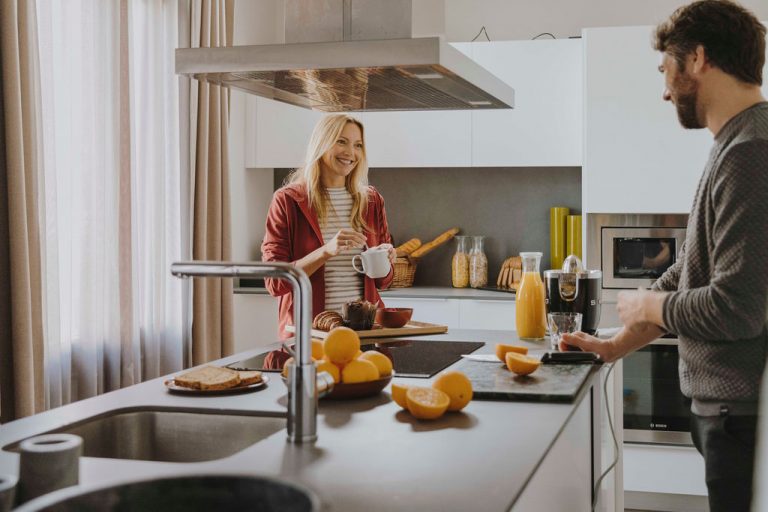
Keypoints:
pixel 530 311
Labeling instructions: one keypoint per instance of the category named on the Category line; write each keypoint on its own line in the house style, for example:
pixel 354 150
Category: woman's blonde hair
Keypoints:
pixel 324 136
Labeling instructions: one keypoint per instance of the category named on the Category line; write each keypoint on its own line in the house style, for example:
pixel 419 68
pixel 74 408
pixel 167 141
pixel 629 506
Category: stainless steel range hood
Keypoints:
pixel 366 66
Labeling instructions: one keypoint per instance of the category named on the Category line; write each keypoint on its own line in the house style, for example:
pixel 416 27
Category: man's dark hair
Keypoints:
pixel 732 37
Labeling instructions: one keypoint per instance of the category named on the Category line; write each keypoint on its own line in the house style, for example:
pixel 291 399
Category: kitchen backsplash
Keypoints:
pixel 510 206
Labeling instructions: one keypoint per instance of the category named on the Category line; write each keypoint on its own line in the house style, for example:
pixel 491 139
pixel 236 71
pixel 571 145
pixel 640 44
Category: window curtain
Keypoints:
pixel 212 327
pixel 112 216
pixel 21 313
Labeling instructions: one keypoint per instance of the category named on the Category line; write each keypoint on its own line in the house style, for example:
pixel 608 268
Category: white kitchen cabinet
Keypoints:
pixel 433 310
pixel 418 139
pixel 255 319
pixel 487 314
pixel 545 127
pixel 277 134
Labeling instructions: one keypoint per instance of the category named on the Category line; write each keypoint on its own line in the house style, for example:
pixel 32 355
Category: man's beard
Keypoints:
pixel 685 103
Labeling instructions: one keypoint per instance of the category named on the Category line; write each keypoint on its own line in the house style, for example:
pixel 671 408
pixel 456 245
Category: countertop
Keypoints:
pixel 370 455
pixel 420 292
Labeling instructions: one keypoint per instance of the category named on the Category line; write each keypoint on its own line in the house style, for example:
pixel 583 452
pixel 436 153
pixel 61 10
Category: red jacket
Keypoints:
pixel 293 232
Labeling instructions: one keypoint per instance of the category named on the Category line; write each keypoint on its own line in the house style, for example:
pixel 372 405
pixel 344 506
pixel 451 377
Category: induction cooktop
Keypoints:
pixel 410 358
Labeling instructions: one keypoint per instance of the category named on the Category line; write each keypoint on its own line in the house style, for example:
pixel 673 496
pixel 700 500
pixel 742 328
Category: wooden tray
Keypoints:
pixel 412 328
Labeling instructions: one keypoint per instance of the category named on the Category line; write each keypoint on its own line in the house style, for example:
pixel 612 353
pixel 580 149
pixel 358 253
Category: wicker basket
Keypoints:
pixel 405 271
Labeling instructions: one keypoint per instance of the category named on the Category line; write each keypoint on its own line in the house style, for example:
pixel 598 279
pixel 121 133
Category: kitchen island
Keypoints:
pixel 370 455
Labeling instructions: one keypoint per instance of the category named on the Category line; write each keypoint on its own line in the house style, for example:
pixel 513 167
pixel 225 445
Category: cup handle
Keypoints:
pixel 354 261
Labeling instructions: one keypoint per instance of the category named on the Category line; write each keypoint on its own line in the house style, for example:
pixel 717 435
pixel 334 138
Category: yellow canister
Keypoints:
pixel 573 244
pixel 557 234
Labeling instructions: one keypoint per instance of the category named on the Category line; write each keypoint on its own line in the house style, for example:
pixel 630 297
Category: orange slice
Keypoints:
pixel 426 403
pixel 501 350
pixel 520 364
pixel 458 388
pixel 398 394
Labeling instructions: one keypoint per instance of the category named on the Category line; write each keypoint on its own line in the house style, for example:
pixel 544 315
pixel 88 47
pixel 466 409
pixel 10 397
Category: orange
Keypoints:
pixel 426 403
pixel 382 362
pixel 520 364
pixel 341 345
pixel 317 349
pixel 398 394
pixel 501 350
pixel 327 366
pixel 359 370
pixel 457 386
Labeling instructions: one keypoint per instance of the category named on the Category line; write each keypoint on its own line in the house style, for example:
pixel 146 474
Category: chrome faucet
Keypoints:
pixel 303 381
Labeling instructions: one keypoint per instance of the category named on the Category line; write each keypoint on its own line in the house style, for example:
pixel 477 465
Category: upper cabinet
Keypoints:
pixel 637 157
pixel 544 128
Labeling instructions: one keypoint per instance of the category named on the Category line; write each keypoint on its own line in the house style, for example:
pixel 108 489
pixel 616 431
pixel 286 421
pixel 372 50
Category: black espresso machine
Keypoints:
pixel 575 292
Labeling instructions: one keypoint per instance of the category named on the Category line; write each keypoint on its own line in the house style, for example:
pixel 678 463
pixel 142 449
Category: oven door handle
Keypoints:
pixel 666 341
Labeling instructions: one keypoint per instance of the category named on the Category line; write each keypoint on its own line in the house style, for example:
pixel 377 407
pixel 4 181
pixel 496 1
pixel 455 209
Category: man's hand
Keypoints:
pixel 638 309
pixel 606 349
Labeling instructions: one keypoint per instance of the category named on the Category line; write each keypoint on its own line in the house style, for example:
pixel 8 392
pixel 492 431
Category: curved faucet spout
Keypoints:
pixel 302 384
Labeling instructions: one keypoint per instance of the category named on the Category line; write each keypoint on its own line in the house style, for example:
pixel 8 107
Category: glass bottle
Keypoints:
pixel 460 264
pixel 530 311
pixel 478 264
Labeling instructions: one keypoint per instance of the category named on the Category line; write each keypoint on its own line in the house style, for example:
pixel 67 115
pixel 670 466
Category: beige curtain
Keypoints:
pixel 212 329
pixel 21 314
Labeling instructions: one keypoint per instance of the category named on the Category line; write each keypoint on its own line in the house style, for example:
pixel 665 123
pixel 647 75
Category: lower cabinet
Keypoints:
pixel 460 313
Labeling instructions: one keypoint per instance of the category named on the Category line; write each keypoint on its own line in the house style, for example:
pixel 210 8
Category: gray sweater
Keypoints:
pixel 719 301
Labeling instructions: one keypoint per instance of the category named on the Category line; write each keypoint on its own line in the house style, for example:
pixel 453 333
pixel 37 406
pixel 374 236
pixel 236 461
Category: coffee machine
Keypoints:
pixel 575 291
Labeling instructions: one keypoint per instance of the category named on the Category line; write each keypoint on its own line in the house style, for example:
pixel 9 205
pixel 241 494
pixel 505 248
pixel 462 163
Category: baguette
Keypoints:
pixel 429 246
pixel 408 247
pixel 209 377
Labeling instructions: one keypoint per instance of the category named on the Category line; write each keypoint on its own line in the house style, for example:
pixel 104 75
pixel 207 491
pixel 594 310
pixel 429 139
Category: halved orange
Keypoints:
pixel 426 403
pixel 502 349
pixel 520 364
pixel 398 394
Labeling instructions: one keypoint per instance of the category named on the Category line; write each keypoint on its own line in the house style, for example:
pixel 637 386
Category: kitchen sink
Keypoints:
pixel 197 493
pixel 169 435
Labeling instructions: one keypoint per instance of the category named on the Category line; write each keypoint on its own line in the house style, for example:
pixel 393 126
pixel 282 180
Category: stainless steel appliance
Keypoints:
pixel 633 250
pixel 351 55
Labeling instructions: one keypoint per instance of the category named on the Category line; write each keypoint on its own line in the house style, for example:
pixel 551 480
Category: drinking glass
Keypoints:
pixel 561 323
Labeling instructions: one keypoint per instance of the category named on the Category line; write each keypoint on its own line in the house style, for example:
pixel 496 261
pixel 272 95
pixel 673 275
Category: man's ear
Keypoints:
pixel 698 60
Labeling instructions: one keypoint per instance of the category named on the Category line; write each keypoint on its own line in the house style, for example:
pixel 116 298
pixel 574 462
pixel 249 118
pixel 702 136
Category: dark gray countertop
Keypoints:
pixel 369 456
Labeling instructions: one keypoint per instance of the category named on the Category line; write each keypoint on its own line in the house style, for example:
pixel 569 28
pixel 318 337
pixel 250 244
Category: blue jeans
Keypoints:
pixel 728 446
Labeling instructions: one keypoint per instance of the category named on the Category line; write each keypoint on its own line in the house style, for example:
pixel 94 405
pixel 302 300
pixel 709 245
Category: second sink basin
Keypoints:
pixel 169 435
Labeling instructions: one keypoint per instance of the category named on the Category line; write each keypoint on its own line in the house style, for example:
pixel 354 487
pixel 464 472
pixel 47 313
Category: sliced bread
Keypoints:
pixel 209 377
pixel 249 377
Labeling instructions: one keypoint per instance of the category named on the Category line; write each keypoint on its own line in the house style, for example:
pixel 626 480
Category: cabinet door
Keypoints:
pixel 637 159
pixel 545 126
pixel 418 139
pixel 255 318
pixel 487 314
pixel 277 134
pixel 435 311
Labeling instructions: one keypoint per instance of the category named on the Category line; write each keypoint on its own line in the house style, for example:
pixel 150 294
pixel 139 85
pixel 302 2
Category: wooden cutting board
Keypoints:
pixel 412 328
pixel 550 383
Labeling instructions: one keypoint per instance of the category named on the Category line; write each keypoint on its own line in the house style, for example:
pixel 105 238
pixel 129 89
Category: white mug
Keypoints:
pixel 375 262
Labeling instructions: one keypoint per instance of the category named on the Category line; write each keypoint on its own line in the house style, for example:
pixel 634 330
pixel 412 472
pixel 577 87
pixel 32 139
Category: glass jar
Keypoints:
pixel 460 264
pixel 478 264
pixel 530 310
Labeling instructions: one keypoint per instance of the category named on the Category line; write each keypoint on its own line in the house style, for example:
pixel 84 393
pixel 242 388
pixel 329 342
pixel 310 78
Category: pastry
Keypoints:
pixel 327 320
pixel 359 315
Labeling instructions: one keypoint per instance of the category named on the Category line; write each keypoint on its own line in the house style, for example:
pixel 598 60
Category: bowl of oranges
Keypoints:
pixel 356 374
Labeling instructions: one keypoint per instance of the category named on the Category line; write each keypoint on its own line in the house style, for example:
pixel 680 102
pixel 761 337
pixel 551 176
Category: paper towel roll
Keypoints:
pixel 7 491
pixel 573 244
pixel 48 463
pixel 557 233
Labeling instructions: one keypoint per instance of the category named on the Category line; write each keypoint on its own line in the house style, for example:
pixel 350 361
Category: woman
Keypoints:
pixel 323 217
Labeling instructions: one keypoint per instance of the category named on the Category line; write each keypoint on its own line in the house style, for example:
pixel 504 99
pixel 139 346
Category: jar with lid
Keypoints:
pixel 460 264
pixel 478 264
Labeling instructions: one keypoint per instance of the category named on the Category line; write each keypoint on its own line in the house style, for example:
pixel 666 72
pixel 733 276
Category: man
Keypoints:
pixel 715 297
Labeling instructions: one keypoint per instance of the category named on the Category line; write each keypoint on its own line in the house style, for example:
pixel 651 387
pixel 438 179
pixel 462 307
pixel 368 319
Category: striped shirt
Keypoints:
pixel 342 282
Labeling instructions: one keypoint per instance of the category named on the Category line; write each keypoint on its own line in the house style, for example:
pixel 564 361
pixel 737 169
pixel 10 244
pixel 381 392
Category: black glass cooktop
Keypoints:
pixel 410 358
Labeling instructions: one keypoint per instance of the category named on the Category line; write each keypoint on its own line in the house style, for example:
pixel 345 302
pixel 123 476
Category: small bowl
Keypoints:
pixel 393 318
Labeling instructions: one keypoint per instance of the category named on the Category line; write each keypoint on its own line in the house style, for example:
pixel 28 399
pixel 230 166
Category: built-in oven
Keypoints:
pixel 633 251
